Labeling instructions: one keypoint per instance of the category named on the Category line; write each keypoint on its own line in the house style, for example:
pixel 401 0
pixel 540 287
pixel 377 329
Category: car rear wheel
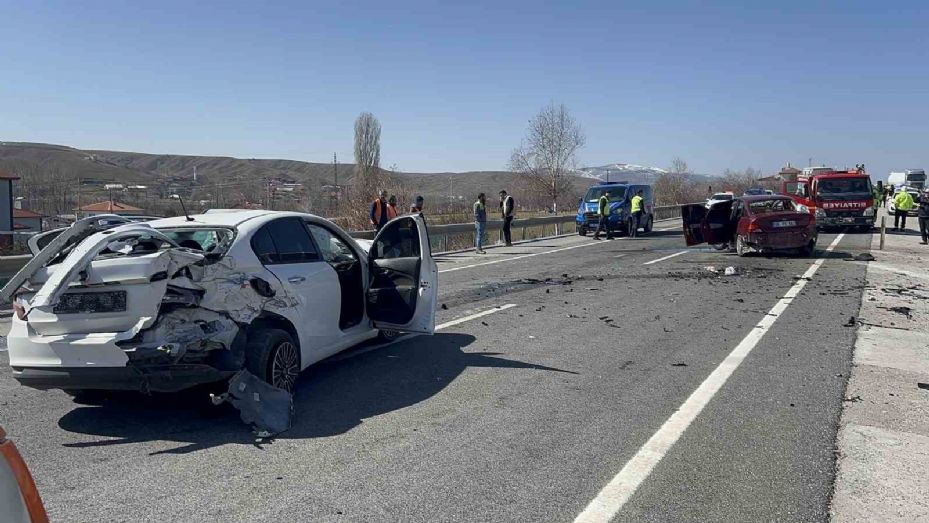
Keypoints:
pixel 388 335
pixel 273 356
pixel 808 250
pixel 582 230
pixel 740 248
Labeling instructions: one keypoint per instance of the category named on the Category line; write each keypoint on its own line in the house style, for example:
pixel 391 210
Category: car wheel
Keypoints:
pixel 582 231
pixel 649 224
pixel 740 248
pixel 273 356
pixel 809 249
pixel 388 334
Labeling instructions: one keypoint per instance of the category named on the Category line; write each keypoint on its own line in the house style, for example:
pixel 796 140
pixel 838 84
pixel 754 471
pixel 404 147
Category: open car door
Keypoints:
pixel 718 226
pixel 692 216
pixel 402 277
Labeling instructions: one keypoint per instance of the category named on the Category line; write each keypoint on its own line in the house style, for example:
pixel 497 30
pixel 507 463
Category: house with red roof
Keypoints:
pixel 108 207
pixel 25 220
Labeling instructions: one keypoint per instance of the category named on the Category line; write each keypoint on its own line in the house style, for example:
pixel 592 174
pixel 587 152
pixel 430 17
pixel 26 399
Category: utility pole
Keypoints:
pixel 809 162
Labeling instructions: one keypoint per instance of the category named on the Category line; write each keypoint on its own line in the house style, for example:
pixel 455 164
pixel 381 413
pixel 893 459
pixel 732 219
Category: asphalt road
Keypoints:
pixel 523 414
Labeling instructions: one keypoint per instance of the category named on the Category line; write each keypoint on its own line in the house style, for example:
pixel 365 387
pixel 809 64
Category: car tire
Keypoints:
pixel 388 335
pixel 809 249
pixel 273 356
pixel 740 248
pixel 649 224
pixel 582 231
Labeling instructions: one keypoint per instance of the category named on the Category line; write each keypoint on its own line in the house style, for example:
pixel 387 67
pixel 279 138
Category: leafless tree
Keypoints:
pixel 679 166
pixel 545 156
pixel 367 152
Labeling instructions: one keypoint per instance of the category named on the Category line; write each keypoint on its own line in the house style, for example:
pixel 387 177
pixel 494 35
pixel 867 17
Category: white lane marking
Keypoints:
pixel 441 326
pixel 473 265
pixel 619 256
pixel 481 314
pixel 665 258
pixel 618 491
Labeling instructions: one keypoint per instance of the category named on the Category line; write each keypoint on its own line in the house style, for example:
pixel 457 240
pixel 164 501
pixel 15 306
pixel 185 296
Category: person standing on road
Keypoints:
pixel 417 206
pixel 603 211
pixel 378 213
pixel 392 211
pixel 923 214
pixel 903 202
pixel 635 209
pixel 480 223
pixel 507 208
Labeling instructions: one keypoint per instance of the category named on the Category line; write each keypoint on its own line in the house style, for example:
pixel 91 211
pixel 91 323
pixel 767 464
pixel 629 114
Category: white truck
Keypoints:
pixel 915 178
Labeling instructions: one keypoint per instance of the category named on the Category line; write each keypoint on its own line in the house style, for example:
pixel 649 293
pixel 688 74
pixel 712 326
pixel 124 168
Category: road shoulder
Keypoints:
pixel 883 440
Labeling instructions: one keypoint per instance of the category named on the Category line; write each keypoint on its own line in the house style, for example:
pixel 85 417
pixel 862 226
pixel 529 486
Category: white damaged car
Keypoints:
pixel 169 304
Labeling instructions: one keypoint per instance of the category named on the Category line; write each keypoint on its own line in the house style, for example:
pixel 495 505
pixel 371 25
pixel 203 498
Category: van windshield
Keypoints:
pixel 617 194
pixel 845 188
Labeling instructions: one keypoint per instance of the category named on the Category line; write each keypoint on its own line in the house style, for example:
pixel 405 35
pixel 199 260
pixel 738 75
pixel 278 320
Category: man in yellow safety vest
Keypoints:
pixel 635 209
pixel 603 211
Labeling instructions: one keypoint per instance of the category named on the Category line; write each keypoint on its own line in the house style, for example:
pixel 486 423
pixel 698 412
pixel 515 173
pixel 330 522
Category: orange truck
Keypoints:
pixel 836 198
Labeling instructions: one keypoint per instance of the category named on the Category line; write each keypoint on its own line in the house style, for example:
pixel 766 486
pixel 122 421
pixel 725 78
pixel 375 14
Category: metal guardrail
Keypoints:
pixel 444 237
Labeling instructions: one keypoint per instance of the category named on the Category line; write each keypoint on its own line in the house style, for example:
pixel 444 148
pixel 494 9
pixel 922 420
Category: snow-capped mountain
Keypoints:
pixel 616 172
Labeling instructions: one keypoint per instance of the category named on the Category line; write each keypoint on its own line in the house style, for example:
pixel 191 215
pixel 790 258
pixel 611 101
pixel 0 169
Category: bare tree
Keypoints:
pixel 679 166
pixel 548 151
pixel 367 152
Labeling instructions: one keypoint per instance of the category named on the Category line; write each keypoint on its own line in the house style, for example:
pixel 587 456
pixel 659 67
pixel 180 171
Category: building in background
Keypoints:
pixel 108 207
pixel 25 220
pixel 7 226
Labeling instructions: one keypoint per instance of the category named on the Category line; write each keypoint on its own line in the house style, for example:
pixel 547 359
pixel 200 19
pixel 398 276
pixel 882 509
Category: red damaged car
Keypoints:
pixel 763 223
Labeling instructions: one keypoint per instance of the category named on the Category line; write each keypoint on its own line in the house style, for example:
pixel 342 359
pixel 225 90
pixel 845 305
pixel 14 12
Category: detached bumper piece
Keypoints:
pixel 268 409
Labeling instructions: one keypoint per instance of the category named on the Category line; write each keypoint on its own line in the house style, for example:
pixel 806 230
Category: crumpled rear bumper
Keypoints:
pixel 95 361
pixel 166 378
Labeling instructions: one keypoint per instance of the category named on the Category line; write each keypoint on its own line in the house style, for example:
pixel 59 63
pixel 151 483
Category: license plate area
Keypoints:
pixel 91 302
pixel 787 223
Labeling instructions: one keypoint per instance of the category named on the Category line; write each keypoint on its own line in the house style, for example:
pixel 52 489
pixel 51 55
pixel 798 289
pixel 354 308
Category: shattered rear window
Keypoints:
pixel 774 205
pixel 209 240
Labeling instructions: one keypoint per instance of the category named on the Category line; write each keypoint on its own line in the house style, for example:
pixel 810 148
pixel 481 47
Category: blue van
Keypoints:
pixel 587 219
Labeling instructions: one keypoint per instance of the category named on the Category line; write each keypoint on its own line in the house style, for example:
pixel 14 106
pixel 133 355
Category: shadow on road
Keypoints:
pixel 330 399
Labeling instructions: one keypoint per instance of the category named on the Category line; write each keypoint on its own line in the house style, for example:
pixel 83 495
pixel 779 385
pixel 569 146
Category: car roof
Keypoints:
pixel 763 197
pixel 223 218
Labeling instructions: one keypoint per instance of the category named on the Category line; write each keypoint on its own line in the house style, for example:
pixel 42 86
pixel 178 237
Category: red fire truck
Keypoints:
pixel 836 198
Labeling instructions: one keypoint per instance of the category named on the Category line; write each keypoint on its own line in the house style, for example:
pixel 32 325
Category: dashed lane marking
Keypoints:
pixel 617 492
pixel 664 258
pixel 442 326
pixel 481 314
pixel 514 258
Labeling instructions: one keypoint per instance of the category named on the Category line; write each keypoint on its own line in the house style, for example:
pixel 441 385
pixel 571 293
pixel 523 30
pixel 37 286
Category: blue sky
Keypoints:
pixel 721 84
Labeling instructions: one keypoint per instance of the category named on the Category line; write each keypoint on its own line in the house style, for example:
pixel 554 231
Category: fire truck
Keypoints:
pixel 837 198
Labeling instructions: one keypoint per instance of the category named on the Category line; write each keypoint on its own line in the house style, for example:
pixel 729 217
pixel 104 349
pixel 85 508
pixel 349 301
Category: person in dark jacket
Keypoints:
pixel 507 209
pixel 417 206
pixel 923 215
